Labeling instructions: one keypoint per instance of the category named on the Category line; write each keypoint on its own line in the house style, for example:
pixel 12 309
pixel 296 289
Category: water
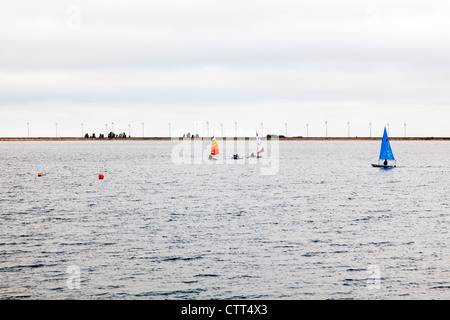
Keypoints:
pixel 326 226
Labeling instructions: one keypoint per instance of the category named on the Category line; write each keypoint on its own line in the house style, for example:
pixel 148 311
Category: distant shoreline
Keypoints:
pixel 230 138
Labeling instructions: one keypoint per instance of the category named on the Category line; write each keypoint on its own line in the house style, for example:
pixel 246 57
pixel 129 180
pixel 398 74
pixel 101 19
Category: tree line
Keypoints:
pixel 111 135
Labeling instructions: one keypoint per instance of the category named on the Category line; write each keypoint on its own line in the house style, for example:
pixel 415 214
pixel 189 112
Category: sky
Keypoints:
pixel 71 67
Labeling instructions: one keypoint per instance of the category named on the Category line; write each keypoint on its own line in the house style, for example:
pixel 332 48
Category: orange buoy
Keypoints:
pixel 39 174
pixel 101 177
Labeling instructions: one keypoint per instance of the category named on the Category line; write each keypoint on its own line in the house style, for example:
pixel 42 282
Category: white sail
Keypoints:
pixel 260 148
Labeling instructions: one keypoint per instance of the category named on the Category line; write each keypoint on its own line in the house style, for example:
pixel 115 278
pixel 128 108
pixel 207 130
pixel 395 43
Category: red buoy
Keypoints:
pixel 100 176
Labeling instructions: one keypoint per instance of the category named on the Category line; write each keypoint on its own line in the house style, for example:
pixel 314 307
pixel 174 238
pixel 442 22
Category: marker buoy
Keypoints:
pixel 39 174
pixel 100 176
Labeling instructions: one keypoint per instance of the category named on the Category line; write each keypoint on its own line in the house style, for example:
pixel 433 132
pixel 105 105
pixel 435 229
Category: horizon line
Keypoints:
pixel 299 138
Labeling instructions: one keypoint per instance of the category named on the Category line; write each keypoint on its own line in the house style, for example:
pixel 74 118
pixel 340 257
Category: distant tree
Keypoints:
pixel 188 135
pixel 101 136
pixel 197 135
pixel 184 135
pixel 111 135
pixel 86 135
pixel 270 136
pixel 93 135
pixel 124 135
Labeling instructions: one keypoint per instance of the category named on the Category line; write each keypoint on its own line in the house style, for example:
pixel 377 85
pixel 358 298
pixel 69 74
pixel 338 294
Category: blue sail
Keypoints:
pixel 386 151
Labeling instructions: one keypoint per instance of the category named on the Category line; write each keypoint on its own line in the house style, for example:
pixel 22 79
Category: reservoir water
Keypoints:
pixel 324 225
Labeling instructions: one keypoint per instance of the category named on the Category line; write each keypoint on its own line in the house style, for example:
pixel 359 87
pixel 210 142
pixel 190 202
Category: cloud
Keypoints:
pixel 200 59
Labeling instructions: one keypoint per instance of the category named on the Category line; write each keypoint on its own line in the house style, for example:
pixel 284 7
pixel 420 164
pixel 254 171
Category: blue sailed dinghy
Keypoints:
pixel 386 159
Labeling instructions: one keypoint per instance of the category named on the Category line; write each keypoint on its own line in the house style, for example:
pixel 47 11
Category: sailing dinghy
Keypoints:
pixel 260 148
pixel 386 159
pixel 214 149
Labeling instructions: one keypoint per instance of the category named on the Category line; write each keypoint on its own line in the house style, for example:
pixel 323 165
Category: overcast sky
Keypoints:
pixel 188 62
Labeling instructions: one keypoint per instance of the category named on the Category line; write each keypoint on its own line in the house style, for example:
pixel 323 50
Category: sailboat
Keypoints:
pixel 386 159
pixel 214 149
pixel 259 147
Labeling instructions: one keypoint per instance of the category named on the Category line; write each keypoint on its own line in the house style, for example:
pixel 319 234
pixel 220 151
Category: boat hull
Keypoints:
pixel 383 166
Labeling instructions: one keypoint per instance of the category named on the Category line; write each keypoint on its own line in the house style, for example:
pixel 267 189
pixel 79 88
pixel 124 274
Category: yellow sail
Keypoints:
pixel 214 147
